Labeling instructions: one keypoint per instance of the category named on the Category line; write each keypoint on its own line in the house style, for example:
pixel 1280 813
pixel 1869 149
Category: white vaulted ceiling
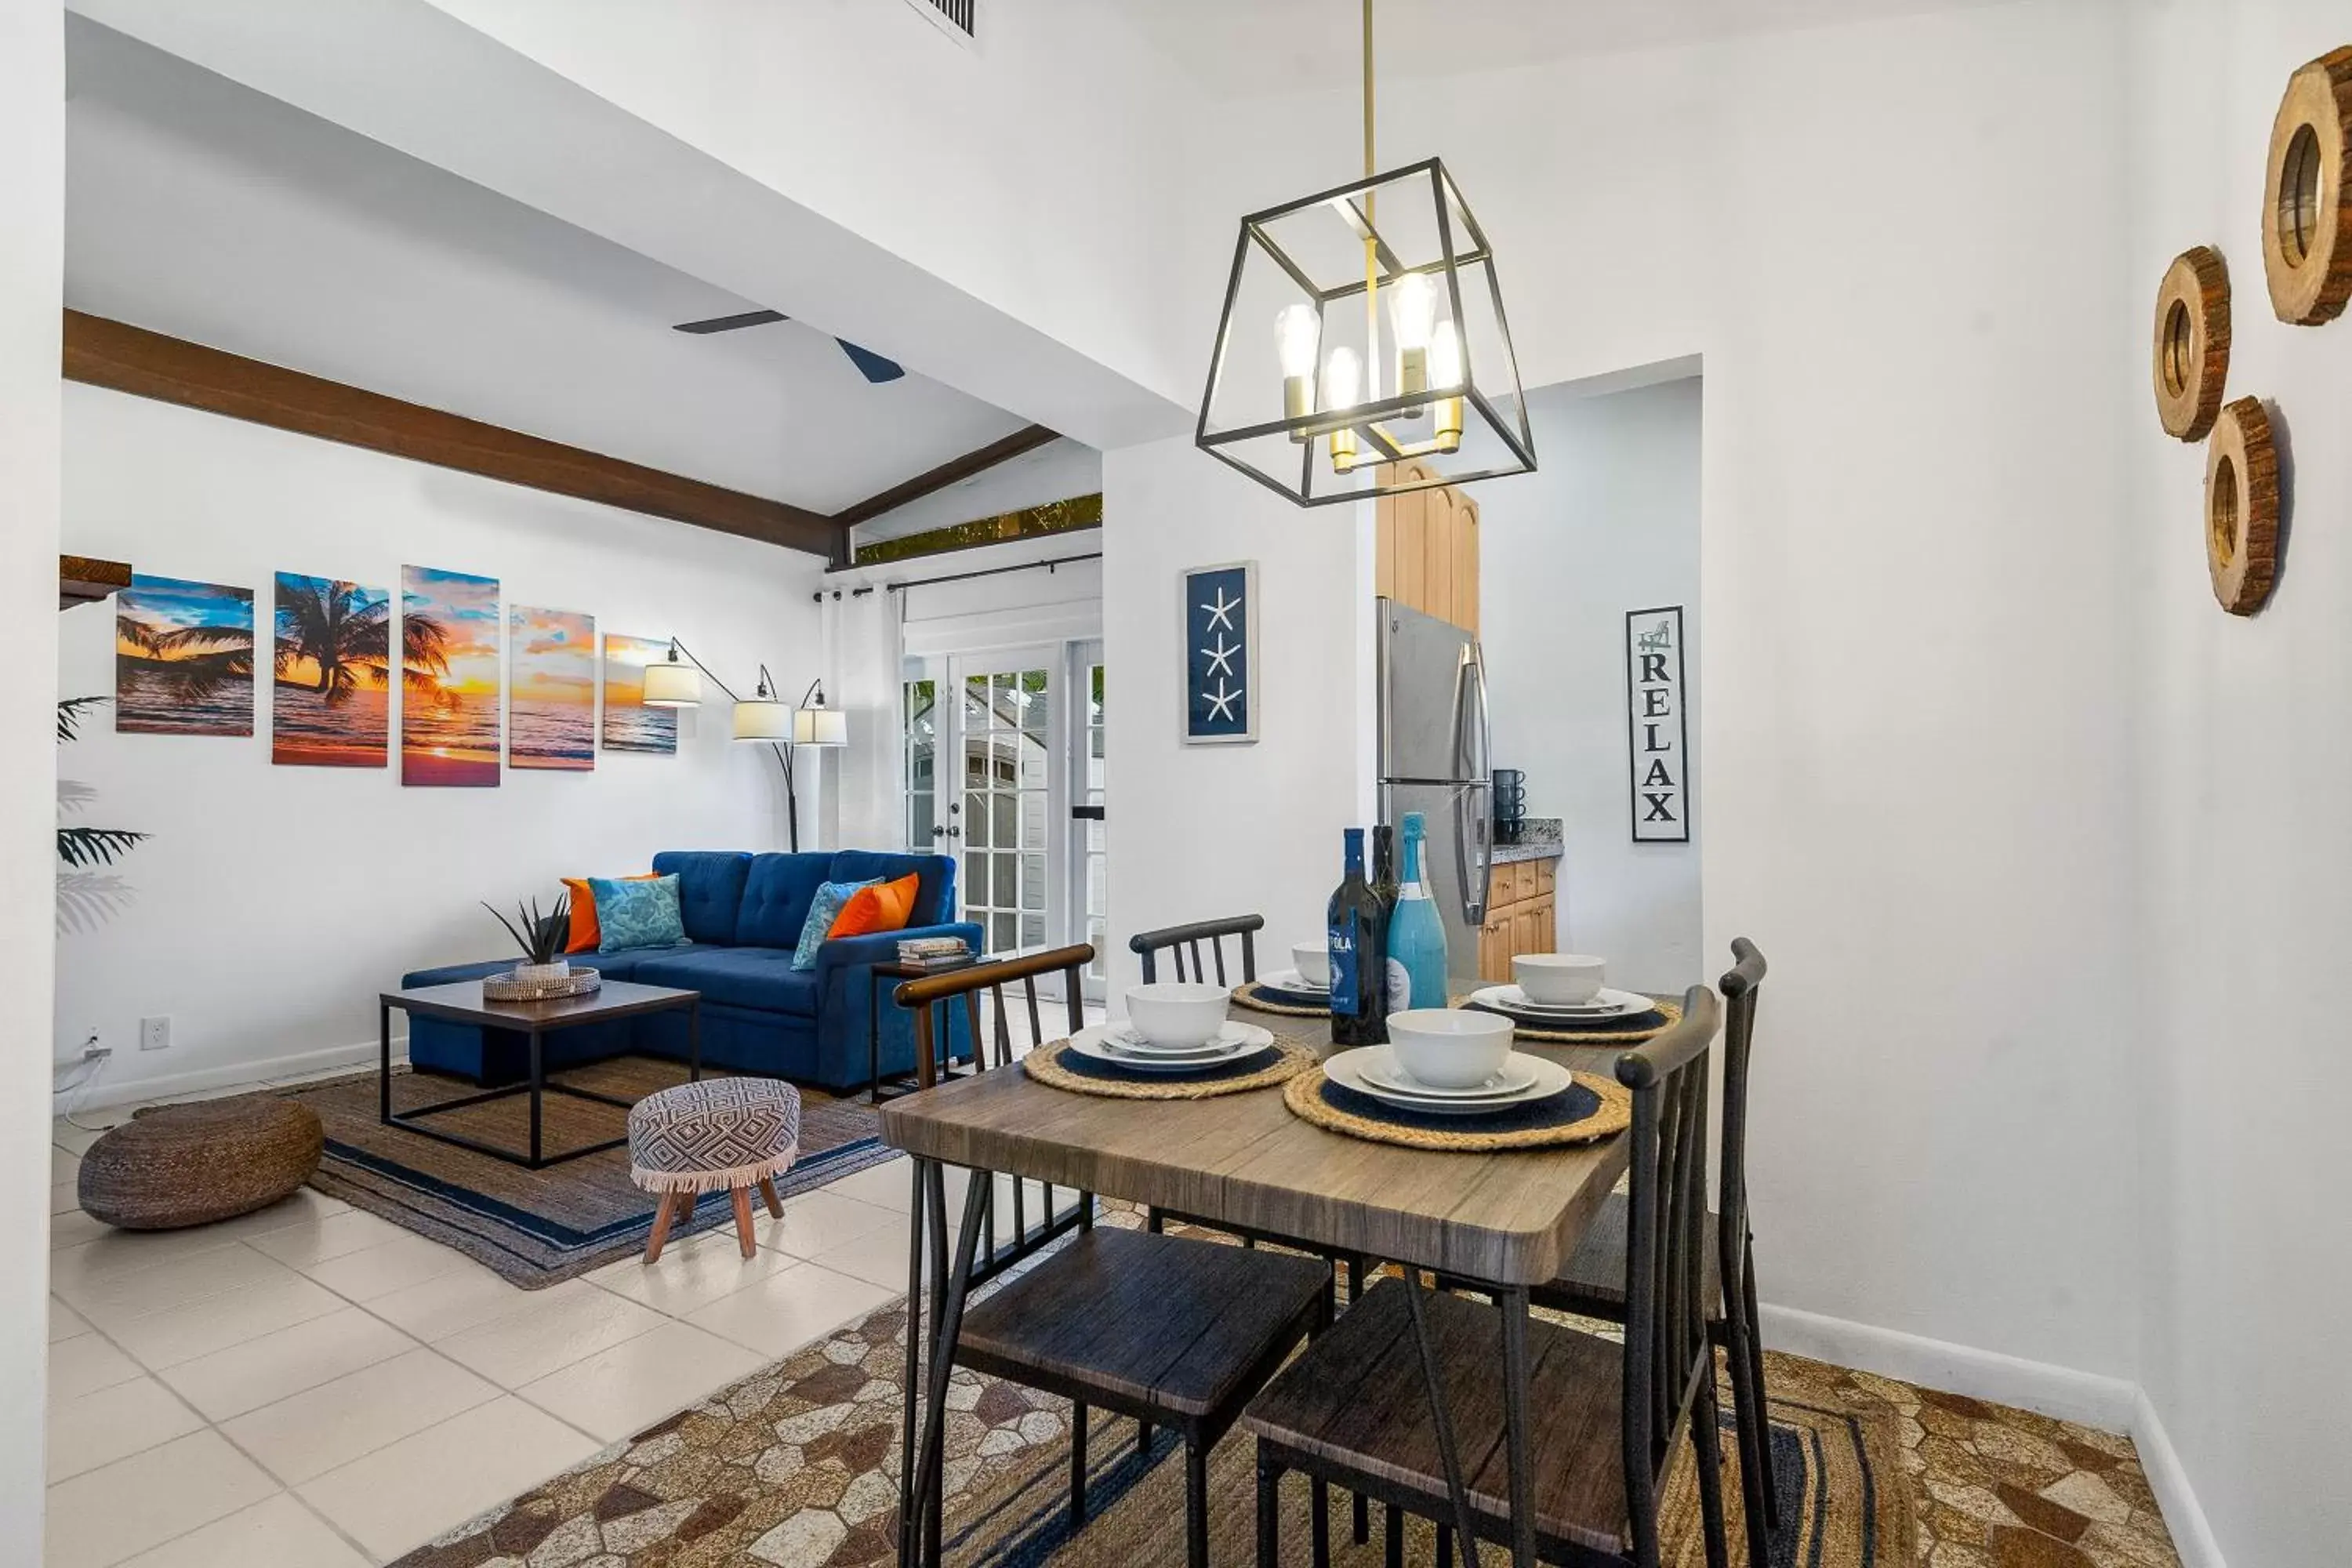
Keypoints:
pixel 200 209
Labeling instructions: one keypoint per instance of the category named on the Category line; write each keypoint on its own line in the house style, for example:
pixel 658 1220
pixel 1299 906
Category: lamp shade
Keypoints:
pixel 669 684
pixel 820 727
pixel 762 718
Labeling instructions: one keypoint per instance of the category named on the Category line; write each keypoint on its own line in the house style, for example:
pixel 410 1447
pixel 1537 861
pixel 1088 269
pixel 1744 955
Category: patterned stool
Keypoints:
pixel 722 1134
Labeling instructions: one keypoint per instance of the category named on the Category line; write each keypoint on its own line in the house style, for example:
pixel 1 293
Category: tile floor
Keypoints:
pixel 313 1387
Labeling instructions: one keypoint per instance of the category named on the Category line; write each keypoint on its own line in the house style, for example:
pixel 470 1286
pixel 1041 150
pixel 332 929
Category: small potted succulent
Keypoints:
pixel 541 938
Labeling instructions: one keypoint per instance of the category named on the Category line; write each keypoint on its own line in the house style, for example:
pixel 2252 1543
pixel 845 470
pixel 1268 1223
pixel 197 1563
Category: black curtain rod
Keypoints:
pixel 965 576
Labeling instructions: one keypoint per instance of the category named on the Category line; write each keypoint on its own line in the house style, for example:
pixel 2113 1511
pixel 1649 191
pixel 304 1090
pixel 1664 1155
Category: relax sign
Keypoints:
pixel 1658 740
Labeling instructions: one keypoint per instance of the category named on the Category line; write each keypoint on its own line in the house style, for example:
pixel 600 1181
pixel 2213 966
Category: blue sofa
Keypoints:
pixel 743 915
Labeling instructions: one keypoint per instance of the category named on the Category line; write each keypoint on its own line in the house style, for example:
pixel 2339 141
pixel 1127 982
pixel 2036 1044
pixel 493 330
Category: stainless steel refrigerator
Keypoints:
pixel 1434 742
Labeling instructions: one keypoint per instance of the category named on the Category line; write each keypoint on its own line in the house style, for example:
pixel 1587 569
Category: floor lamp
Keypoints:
pixel 762 718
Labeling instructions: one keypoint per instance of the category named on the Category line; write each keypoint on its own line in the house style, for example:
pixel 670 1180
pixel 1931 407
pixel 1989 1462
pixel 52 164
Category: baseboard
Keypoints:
pixel 106 1093
pixel 2192 1536
pixel 2108 1404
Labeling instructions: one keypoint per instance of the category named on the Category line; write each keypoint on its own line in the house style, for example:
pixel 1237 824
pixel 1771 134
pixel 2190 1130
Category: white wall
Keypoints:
pixel 2245 765
pixel 32 193
pixel 1196 832
pixel 273 903
pixel 1607 524
pixel 1919 762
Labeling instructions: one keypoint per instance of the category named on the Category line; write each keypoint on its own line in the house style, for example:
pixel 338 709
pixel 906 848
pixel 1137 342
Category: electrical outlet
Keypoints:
pixel 155 1034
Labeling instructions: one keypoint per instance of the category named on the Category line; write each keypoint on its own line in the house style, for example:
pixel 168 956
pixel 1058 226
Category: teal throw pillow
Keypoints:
pixel 637 914
pixel 824 911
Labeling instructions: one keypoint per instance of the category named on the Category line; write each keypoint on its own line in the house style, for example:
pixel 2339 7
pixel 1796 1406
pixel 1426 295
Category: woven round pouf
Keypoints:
pixel 180 1165
pixel 720 1135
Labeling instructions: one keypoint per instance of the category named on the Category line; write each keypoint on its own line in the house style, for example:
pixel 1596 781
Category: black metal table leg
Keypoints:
pixel 914 1356
pixel 1513 1303
pixel 1449 1456
pixel 384 1071
pixel 537 1092
pixel 873 1040
pixel 928 1481
pixel 694 1040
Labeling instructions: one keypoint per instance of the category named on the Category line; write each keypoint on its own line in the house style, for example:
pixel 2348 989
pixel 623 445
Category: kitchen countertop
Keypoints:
pixel 1539 840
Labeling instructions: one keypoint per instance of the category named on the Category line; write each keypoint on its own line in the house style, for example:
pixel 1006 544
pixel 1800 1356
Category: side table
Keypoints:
pixel 894 971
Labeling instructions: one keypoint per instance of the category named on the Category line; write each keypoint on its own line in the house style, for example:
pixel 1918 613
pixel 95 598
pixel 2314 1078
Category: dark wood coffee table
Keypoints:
pixel 463 1002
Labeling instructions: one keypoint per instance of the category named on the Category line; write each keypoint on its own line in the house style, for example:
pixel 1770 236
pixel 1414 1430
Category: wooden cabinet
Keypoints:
pixel 1521 916
pixel 1427 544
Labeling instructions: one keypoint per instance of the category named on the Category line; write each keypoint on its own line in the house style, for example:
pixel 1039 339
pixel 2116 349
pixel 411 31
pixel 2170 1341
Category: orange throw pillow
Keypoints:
pixel 585 932
pixel 882 907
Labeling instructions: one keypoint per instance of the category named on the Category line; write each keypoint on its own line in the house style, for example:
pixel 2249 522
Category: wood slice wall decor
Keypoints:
pixel 2192 343
pixel 2242 506
pixel 2306 241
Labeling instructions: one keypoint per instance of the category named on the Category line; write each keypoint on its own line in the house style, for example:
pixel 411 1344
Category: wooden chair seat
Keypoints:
pixel 1165 1328
pixel 1592 1283
pixel 1355 1408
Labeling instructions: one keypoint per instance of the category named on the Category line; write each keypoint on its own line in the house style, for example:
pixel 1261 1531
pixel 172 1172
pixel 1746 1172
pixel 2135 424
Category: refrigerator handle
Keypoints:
pixel 1473 853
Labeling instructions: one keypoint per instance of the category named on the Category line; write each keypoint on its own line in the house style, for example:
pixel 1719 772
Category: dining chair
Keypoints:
pixel 1592 1285
pixel 1180 941
pixel 1167 1331
pixel 1405 1399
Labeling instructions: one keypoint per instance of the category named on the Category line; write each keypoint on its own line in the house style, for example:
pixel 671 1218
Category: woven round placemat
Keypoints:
pixel 1259 997
pixel 1591 1108
pixel 1664 1015
pixel 1046 1065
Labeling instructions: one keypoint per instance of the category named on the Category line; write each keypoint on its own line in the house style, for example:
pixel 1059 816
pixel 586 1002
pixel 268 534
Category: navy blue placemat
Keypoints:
pixel 1571 1105
pixel 1084 1065
pixel 1552 1025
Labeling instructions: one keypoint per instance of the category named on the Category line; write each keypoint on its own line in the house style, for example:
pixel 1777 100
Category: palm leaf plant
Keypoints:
pixel 542 937
pixel 87 847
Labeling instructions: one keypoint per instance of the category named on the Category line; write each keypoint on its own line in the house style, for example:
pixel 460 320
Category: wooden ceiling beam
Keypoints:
pixel 102 352
pixel 1026 439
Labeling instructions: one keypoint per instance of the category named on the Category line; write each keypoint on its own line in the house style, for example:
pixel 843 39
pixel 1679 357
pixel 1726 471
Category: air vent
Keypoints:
pixel 958 19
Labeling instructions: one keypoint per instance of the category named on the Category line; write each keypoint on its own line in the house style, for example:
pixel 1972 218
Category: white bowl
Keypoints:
pixel 1560 979
pixel 1446 1048
pixel 1313 961
pixel 1177 1012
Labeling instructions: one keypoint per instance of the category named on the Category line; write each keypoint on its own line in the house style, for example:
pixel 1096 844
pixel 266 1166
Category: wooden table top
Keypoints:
pixel 1511 1217
pixel 462 1002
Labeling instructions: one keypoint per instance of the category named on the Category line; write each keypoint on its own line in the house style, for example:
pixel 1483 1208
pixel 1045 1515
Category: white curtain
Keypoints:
pixel 862 805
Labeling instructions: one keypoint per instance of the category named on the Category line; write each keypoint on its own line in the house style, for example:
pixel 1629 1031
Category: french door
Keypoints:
pixel 1000 747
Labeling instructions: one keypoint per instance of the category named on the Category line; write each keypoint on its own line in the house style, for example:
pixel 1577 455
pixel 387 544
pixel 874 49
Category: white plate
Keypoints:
pixel 1090 1042
pixel 1607 1004
pixel 1231 1034
pixel 1291 980
pixel 1384 1072
pixel 1346 1069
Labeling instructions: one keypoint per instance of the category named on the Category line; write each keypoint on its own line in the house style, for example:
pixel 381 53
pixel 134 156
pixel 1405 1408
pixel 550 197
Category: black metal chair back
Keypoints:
pixel 921 996
pixel 1740 985
pixel 1187 939
pixel 1666 1349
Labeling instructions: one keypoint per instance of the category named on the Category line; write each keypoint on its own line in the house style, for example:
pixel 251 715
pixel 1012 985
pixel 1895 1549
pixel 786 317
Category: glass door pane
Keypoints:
pixel 1091 895
pixel 919 703
pixel 1005 730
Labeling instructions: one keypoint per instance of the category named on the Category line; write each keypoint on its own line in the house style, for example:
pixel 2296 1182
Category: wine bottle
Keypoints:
pixel 1384 887
pixel 1360 963
pixel 1416 934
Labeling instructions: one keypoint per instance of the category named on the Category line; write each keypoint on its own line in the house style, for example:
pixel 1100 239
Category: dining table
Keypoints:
pixel 1497 1222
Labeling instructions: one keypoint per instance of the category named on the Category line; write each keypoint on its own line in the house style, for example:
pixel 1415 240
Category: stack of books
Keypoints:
pixel 934 952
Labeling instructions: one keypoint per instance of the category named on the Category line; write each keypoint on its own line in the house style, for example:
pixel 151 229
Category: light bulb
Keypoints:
pixel 1412 305
pixel 1297 330
pixel 1341 378
pixel 1446 355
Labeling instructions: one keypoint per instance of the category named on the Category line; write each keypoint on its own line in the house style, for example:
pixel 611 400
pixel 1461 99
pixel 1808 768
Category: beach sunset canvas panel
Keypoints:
pixel 183 658
pixel 551 715
pixel 629 724
pixel 449 678
pixel 330 703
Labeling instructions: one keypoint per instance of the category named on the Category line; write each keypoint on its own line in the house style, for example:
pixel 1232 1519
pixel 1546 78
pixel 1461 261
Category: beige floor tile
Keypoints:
pixel 818 1221
pixel 113 1424
pixel 879 1257
pixel 308 1433
pixel 558 1326
pixel 302 1246
pixel 886 1185
pixel 65 1166
pixel 74 1229
pixel 85 1364
pixel 785 1311
pixel 619 1392
pixel 166 1339
pixel 281 1532
pixel 64 1323
pixel 105 1515
pixel 65 1197
pixel 451 1304
pixel 691 1274
pixel 395 1264
pixel 304 1205
pixel 423 1485
pixel 129 1273
pixel 265 1370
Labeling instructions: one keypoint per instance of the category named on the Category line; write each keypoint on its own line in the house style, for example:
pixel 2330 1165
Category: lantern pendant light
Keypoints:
pixel 1328 402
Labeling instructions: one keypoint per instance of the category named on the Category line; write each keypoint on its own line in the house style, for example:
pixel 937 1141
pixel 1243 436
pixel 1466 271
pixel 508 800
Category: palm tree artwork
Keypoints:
pixel 332 662
pixel 184 659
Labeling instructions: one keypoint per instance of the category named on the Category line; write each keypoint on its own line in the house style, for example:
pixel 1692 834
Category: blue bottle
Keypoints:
pixel 1416 935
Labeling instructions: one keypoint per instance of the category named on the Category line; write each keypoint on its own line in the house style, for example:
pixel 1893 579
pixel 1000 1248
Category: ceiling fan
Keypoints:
pixel 873 366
